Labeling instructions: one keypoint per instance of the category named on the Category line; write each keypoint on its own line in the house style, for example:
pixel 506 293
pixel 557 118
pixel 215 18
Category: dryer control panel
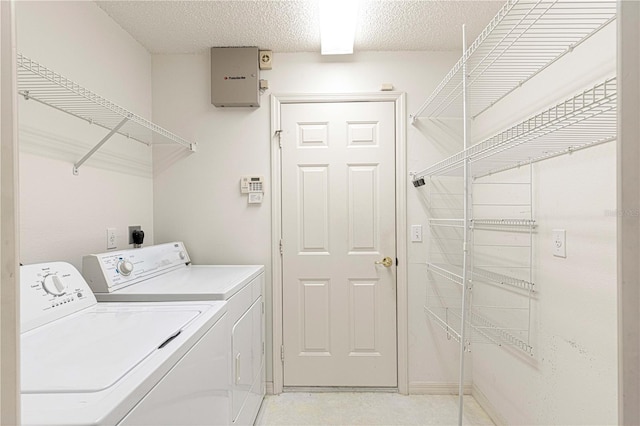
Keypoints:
pixel 108 272
pixel 49 291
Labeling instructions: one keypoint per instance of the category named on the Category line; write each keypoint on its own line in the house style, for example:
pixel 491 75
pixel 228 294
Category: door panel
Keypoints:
pixel 313 205
pixel 338 213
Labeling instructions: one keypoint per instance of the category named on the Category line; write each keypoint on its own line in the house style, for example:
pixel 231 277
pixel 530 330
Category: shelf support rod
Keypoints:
pixel 465 238
pixel 77 165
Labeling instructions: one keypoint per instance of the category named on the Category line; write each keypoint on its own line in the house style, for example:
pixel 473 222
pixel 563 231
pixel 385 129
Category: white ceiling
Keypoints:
pixel 292 26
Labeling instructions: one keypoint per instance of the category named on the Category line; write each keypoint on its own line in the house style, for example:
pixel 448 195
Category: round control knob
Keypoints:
pixel 125 267
pixel 182 255
pixel 54 285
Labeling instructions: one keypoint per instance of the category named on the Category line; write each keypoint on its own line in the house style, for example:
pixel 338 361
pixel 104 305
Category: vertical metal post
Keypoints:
pixel 465 235
pixel 531 216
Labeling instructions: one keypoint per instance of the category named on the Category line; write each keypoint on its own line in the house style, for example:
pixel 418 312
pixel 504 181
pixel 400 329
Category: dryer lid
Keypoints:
pixel 195 282
pixel 94 349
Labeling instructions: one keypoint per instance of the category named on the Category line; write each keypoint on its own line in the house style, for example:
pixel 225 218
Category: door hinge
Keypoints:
pixel 282 353
pixel 279 135
pixel 262 348
pixel 281 248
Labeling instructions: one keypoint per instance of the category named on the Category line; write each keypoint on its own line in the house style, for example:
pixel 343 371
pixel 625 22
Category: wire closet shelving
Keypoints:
pixel 480 281
pixel 586 119
pixel 501 260
pixel 38 83
pixel 522 40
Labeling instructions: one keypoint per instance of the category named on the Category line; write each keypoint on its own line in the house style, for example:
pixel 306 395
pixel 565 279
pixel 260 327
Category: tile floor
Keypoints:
pixel 367 408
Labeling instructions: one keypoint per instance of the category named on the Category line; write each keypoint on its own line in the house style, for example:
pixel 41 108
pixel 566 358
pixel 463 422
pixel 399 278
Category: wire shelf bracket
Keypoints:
pixel 38 83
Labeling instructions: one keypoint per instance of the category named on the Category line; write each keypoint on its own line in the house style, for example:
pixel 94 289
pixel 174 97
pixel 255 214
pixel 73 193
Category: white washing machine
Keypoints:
pixel 164 273
pixel 89 363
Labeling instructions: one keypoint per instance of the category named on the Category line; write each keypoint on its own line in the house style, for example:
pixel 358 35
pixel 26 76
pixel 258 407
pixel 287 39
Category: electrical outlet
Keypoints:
pixel 111 238
pixel 131 229
pixel 559 242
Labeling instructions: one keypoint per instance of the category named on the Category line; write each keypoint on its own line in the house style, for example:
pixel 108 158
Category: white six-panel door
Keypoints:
pixel 338 220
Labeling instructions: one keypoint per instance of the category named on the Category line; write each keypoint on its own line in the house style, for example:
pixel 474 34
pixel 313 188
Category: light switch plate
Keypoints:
pixel 559 242
pixel 416 233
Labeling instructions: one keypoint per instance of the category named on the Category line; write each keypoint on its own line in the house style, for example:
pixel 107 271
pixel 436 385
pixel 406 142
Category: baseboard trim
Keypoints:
pixel 487 406
pixel 337 389
pixel 437 388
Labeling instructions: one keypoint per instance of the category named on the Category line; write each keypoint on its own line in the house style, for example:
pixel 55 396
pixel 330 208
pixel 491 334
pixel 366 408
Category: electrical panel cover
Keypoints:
pixel 235 77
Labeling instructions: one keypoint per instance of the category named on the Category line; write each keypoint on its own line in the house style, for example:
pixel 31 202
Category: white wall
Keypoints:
pixel 572 376
pixel 65 216
pixel 197 197
pixel 629 208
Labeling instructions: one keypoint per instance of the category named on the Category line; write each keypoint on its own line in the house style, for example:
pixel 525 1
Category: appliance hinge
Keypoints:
pixel 281 248
pixel 279 135
pixel 282 353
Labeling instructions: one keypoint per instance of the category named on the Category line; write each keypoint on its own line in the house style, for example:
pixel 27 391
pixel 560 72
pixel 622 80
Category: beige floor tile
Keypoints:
pixel 367 408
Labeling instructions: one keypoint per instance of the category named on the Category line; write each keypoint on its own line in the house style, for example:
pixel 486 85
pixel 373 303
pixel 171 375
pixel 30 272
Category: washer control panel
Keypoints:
pixel 107 272
pixel 49 291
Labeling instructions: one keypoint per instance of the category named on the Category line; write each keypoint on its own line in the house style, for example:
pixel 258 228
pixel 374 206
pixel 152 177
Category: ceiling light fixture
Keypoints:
pixel 337 26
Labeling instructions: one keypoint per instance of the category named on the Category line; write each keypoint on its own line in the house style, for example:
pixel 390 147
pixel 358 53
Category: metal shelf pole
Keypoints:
pixel 465 235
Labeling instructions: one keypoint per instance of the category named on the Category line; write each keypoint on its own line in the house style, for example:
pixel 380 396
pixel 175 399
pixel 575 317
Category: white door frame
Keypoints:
pixel 9 250
pixel 401 222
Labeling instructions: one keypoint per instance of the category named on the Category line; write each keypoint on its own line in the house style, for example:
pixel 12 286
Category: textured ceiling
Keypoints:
pixel 292 26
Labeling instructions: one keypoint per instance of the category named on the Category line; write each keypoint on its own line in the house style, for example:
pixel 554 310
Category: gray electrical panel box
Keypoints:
pixel 235 77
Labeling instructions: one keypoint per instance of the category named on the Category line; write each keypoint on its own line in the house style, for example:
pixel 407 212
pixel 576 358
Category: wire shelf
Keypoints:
pixel 524 38
pixel 502 279
pixel 523 223
pixel 454 274
pixel 38 83
pixel 585 120
pixel 444 322
pixel 451 223
pixel 481 329
pixel 447 271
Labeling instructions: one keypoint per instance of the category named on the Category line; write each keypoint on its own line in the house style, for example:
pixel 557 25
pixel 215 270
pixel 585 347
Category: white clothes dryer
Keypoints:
pixel 164 273
pixel 90 363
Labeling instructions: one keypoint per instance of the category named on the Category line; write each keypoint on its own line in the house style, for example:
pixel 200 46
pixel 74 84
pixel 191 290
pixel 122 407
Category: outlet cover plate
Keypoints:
pixel 559 242
pixel 111 238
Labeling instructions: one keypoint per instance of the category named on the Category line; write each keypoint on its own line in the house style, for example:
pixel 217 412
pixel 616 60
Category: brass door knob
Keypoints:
pixel 385 262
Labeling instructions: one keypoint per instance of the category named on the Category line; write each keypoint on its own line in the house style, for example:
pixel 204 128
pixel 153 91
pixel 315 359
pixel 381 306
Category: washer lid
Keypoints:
pixel 95 348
